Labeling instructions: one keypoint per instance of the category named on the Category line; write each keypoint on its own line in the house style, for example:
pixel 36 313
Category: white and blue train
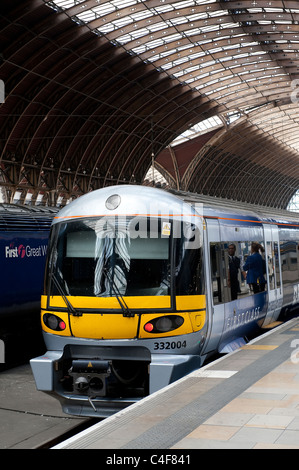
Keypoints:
pixel 139 290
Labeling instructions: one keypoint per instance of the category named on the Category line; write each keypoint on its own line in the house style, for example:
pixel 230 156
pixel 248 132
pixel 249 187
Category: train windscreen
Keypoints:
pixel 108 257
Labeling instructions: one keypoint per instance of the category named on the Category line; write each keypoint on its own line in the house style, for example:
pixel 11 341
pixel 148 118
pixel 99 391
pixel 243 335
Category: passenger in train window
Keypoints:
pixel 233 271
pixel 255 267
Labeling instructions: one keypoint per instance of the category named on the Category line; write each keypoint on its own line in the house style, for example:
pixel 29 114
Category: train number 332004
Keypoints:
pixel 169 345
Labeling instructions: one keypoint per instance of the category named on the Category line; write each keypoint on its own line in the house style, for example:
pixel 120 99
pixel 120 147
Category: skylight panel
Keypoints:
pixel 207 29
pixel 133 35
pixel 200 128
pixel 146 47
pixel 169 52
pixel 179 74
pixel 157 26
pixel 122 22
pixel 125 21
pixel 178 20
pixel 191 69
pixel 273 10
pixel 197 55
pixel 104 9
pixel 87 16
pixel 139 50
pixel 167 66
pixel 106 28
pixel 184 4
pixel 66 3
pixel 138 33
pixel 180 61
pixel 164 8
pixel 123 3
pixel 196 16
pixel 215 13
pixel 190 80
pixel 142 15
pixel 172 37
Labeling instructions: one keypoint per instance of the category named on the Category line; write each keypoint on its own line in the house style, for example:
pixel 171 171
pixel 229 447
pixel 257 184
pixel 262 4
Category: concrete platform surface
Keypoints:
pixel 248 399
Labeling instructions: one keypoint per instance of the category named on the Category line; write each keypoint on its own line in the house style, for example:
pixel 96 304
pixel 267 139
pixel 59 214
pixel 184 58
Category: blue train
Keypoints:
pixel 143 285
pixel 24 233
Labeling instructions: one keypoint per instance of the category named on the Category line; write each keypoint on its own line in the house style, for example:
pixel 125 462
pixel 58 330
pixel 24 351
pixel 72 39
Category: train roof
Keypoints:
pixel 215 205
pixel 155 200
pixel 15 218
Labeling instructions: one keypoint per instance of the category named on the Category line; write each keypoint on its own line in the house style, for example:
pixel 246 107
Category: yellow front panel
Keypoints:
pixel 190 302
pixel 197 319
pixel 104 326
pixel 108 303
pixel 193 321
pixel 110 325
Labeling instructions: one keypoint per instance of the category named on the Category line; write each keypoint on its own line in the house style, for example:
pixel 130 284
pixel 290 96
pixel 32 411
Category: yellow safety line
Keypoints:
pixel 268 347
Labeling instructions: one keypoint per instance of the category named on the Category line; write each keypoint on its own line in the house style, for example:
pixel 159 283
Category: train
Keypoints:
pixel 138 291
pixel 24 233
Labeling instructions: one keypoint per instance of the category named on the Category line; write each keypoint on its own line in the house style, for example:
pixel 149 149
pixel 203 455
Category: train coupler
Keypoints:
pixel 90 377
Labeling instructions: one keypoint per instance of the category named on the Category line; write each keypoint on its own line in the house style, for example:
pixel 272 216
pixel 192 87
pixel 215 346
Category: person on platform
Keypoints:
pixel 255 268
pixel 233 272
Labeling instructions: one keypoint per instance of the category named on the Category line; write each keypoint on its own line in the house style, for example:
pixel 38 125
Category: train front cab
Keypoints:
pixel 123 323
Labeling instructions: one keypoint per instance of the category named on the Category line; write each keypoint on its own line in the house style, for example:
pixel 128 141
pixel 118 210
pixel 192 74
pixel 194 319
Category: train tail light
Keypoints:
pixel 164 324
pixel 53 322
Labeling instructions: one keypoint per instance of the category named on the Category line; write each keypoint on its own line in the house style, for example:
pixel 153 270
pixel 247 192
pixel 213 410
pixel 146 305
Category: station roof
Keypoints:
pixel 98 92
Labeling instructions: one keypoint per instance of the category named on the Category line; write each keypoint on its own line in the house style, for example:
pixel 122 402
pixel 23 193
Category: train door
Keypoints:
pixel 215 286
pixel 273 273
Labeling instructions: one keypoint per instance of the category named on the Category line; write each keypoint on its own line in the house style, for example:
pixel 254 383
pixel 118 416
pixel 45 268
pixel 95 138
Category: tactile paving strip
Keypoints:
pixel 192 415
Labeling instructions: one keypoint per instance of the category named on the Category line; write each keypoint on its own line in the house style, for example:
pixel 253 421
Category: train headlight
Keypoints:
pixel 164 324
pixel 53 322
pixel 113 202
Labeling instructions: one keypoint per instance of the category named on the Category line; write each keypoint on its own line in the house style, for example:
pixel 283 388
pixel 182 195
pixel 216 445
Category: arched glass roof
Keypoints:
pixel 294 203
pixel 238 54
pixel 97 91
pixel 215 47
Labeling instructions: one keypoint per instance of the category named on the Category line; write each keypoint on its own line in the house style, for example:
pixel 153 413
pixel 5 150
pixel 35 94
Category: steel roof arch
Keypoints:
pixel 95 88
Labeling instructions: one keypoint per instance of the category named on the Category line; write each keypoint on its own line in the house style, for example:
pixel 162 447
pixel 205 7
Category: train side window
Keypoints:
pixel 271 265
pixel 256 273
pixel 227 279
pixel 215 273
pixel 289 255
pixel 188 264
pixel 219 273
pixel 277 270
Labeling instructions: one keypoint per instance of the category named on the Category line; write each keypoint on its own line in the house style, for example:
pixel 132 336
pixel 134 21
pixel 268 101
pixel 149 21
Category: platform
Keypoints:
pixel 29 418
pixel 248 399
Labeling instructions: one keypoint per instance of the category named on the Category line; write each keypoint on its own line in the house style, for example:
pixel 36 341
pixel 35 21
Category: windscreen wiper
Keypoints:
pixel 125 309
pixel 70 308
